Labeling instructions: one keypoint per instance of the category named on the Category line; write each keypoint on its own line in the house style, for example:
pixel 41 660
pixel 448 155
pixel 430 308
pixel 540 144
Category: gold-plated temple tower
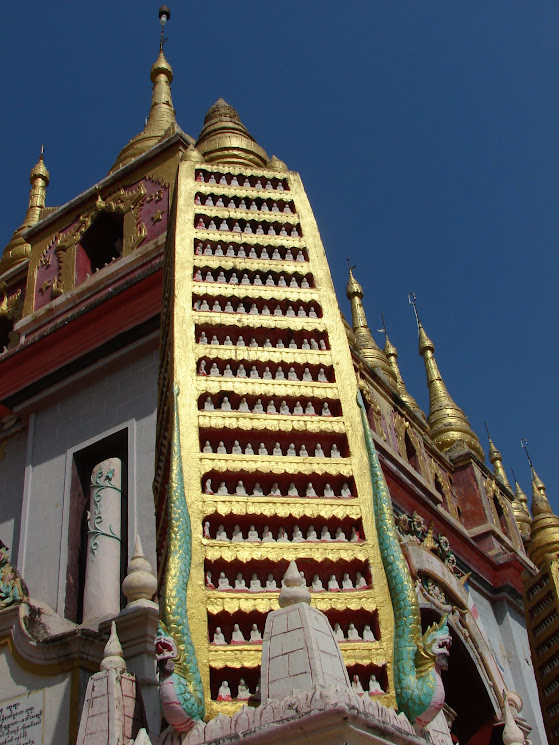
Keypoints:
pixel 392 356
pixel 18 249
pixel 161 120
pixel 544 540
pixel 274 457
pixel 367 346
pixel 447 421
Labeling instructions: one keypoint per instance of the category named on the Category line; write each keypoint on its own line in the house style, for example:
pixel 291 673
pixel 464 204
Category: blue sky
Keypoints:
pixel 426 135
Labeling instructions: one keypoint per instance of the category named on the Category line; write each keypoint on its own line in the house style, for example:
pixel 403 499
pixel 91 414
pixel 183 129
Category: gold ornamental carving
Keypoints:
pixel 232 602
pixel 270 423
pixel 263 266
pixel 245 320
pixel 223 213
pixel 280 507
pixel 245 552
pixel 250 655
pixel 275 465
pixel 276 388
pixel 264 354
pixel 248 239
pixel 255 292
pixel 226 190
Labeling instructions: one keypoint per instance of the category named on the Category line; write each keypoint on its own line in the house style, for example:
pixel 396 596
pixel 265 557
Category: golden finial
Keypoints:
pixel 392 356
pixel 368 348
pixel 225 139
pixel 543 546
pixel 161 115
pixel 496 460
pixel 520 510
pixel 18 249
pixel 447 421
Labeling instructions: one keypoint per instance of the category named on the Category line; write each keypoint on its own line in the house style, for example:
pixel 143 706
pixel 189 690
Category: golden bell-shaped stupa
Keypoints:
pixel 544 540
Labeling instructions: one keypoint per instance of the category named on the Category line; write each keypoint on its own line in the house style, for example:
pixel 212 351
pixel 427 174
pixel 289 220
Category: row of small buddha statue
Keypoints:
pixel 203 305
pixel 271 407
pixel 255 584
pixel 267 344
pixel 240 203
pixel 254 373
pixel 253 536
pixel 249 182
pixel 280 253
pixel 237 636
pixel 276 450
pixel 260 228
pixel 244 694
pixel 256 281
pixel 275 491
pixel 353 634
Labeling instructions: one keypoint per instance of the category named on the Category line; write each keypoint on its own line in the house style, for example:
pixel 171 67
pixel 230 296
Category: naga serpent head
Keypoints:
pixel 165 649
pixel 433 648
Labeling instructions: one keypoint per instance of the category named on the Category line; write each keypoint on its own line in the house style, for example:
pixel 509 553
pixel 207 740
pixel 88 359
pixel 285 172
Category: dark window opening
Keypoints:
pixel 6 325
pixel 411 454
pixel 102 241
pixel 83 462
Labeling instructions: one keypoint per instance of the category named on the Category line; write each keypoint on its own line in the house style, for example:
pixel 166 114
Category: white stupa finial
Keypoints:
pixel 294 589
pixel 113 656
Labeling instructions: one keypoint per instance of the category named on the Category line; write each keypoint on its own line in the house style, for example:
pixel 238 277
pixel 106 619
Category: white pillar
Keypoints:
pixel 102 569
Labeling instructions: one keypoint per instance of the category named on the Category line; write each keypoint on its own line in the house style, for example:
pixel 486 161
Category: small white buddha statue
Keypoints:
pixel 375 688
pixel 284 408
pixel 280 375
pixel 353 634
pixel 282 536
pixel 248 449
pixel 221 449
pixel 317 585
pixel 271 584
pixel 333 585
pixel 214 370
pixel 237 635
pixel 222 489
pixel 275 490
pixel 347 584
pixel 277 450
pixel 310 491
pixel 252 534
pixel 368 635
pixel 218 639
pixel 240 489
pixel 346 491
pixel 271 408
pixel 241 372
pixel 223 582
pixel 297 535
pixel 221 535
pixel 243 405
pixel 292 491
pixel 267 536
pixel 339 635
pixel 328 491
pixel 262 449
pixel 298 409
pixel 255 584
pixel 208 487
pixel 237 536
pixel 243 693
pixel 207 530
pixel 257 490
pixel 303 451
pixel 258 408
pixel 325 534
pixel 311 534
pixel 291 450
pixel 240 584
pixel 356 686
pixel 225 405
pixel 224 693
pixel 209 583
pixel 318 451
pixel 209 405
pixel 340 535
pixel 309 409
pixel 307 374
pixel 321 374
pixel 360 582
pixel 326 410
pixel 335 451
pixel 354 537
pixel 255 635
pixel 207 447
pixel 236 449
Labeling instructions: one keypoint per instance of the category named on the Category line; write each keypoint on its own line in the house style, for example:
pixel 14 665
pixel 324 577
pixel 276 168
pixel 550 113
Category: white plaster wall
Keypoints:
pixel 110 395
pixel 506 631
pixel 12 471
pixel 14 681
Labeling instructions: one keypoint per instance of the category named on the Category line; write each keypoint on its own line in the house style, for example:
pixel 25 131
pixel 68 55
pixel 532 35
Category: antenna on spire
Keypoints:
pixel 383 329
pixel 514 475
pixel 487 429
pixel 164 15
pixel 412 300
pixel 524 443
pixel 42 150
pixel 349 265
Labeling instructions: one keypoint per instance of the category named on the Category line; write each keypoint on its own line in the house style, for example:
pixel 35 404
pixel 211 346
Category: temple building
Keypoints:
pixel 222 513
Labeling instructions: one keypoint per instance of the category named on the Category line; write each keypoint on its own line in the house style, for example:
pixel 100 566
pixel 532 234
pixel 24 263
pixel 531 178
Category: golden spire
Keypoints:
pixel 392 356
pixel 544 538
pixel 225 139
pixel 18 249
pixel 365 343
pixel 497 461
pixel 521 512
pixel 161 115
pixel 447 421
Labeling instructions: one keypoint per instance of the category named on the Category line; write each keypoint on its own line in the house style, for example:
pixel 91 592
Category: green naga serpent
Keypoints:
pixel 418 658
pixel 180 685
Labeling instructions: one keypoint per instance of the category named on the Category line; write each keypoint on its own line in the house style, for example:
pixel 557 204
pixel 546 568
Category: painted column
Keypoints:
pixel 102 570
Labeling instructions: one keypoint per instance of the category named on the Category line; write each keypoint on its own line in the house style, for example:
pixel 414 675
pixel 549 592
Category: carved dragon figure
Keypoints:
pixel 418 658
pixel 180 684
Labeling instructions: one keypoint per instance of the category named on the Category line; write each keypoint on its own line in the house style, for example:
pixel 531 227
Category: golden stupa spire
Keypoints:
pixel 496 460
pixel 543 546
pixel 447 421
pixel 161 114
pixel 520 511
pixel 18 249
pixel 392 356
pixel 225 139
pixel 366 345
